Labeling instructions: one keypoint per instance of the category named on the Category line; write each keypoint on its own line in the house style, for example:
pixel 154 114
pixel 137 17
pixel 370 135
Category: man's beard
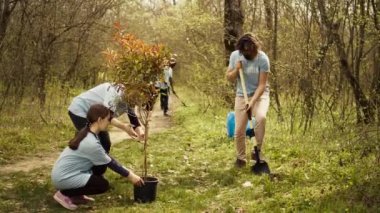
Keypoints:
pixel 248 56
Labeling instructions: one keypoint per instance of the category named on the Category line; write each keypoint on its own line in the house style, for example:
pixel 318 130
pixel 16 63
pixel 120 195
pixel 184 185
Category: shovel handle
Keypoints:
pixel 257 155
pixel 183 103
pixel 245 94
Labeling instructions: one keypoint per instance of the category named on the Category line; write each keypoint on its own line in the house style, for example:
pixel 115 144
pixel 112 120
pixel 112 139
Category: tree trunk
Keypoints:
pixel 360 98
pixel 375 87
pixel 6 9
pixel 146 126
pixel 5 94
pixel 233 25
pixel 73 67
pixel 4 17
pixel 41 86
pixel 272 49
pixel 268 21
pixel 45 54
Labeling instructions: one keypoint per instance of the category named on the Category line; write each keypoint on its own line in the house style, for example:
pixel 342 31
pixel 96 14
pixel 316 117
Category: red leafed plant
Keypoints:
pixel 137 65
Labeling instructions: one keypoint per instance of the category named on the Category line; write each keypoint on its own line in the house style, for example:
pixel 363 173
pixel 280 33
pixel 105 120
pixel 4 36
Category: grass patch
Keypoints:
pixel 26 134
pixel 323 170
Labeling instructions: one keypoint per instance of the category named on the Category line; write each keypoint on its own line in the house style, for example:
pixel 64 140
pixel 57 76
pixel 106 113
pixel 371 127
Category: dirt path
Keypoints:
pixel 158 123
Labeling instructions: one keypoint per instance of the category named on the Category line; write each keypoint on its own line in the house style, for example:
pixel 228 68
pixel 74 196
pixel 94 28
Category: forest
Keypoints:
pixel 322 135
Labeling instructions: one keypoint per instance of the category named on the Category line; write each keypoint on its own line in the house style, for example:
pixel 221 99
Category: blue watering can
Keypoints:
pixel 231 125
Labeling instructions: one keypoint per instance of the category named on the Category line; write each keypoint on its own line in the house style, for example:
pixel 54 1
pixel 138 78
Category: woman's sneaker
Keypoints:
pixel 82 199
pixel 64 201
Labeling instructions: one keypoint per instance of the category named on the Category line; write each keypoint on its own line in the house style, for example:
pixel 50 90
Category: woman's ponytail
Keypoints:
pixel 74 143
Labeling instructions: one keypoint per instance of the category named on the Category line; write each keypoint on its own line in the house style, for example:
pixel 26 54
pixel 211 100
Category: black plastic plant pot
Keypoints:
pixel 147 192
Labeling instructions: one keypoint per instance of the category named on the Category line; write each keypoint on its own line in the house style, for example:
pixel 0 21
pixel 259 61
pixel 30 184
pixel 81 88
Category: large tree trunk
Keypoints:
pixel 233 25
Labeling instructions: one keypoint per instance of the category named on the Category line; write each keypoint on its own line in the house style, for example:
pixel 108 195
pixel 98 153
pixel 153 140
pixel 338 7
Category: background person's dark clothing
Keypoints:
pixel 164 100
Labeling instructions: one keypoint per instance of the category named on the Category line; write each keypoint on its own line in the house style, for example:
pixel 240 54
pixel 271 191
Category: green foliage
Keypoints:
pixel 51 41
pixel 196 37
pixel 197 40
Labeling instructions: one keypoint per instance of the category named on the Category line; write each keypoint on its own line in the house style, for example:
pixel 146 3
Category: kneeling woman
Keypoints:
pixel 80 167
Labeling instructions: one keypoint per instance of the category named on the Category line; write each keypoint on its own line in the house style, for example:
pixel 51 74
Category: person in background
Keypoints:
pixel 79 170
pixel 166 85
pixel 255 66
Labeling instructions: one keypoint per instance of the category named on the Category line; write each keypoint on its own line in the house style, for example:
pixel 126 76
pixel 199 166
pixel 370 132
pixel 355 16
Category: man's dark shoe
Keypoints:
pixel 240 163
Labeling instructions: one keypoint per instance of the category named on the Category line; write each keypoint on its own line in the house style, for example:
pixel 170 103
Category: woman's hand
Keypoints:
pixel 140 133
pixel 134 179
pixel 129 130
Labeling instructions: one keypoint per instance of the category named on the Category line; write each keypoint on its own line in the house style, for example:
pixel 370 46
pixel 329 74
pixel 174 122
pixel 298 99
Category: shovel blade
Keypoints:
pixel 261 168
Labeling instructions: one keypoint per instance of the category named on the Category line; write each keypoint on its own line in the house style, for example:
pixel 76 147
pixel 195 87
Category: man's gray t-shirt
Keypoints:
pixel 251 71
pixel 73 167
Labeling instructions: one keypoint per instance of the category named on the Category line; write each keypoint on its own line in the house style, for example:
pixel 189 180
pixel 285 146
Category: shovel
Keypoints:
pixel 260 166
pixel 183 103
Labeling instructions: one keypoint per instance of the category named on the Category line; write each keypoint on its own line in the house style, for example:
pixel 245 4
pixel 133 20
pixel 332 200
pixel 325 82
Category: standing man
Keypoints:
pixel 255 65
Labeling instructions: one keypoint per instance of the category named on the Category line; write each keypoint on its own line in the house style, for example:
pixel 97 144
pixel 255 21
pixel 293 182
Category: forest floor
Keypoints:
pixel 323 170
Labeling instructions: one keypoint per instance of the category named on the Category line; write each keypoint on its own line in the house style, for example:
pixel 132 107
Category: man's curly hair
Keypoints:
pixel 248 42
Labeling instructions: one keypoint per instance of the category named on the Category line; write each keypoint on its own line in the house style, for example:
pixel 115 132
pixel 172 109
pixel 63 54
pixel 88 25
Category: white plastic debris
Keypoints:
pixel 247 184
